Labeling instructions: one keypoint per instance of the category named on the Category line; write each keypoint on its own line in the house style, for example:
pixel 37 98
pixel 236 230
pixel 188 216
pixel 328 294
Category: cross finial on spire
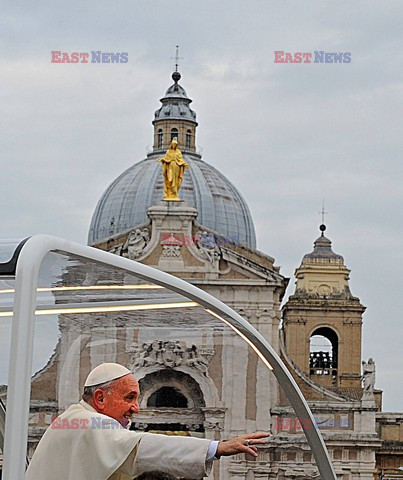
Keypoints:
pixel 177 58
pixel 322 212
pixel 322 228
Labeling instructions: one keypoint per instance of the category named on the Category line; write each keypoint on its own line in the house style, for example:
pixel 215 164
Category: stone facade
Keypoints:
pixel 389 458
pixel 196 378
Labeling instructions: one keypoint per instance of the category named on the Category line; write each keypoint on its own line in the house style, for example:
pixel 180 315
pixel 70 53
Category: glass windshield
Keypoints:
pixel 7 286
pixel 7 248
pixel 197 376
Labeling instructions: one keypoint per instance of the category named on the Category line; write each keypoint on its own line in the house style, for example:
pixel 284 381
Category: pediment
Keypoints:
pixel 189 250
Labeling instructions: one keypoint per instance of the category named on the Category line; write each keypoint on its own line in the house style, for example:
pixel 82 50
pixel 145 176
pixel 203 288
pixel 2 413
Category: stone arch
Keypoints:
pixel 204 383
pixel 323 351
pixel 180 382
pixel 170 401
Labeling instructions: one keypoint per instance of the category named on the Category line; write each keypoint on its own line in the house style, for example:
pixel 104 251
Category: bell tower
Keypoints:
pixel 322 320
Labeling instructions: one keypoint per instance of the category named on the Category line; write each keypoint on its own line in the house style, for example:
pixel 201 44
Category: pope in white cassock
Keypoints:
pixel 90 440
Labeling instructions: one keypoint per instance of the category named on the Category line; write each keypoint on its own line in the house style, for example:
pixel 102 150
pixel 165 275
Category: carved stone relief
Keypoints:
pixel 134 246
pixel 168 354
pixel 171 247
pixel 207 246
pixel 135 243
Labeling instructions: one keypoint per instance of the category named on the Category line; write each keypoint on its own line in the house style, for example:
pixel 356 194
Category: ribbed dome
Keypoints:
pixel 220 206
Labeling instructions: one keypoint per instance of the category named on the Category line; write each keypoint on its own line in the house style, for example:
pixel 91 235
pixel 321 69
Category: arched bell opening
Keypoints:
pixel 323 353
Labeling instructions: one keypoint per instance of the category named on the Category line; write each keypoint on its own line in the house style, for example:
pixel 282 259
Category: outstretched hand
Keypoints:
pixel 244 444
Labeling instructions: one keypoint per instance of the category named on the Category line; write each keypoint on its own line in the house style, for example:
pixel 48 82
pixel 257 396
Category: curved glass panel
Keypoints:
pixel 6 306
pixel 7 248
pixel 199 374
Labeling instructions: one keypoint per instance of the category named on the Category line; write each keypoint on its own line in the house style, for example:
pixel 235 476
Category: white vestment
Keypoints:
pixel 83 444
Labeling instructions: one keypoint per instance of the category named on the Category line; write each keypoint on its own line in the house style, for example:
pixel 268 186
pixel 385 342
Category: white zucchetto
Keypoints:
pixel 105 372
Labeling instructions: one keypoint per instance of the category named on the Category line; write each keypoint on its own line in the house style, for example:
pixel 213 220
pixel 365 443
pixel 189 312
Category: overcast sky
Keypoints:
pixel 287 135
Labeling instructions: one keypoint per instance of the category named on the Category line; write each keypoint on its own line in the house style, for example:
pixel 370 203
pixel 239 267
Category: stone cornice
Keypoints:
pixel 320 303
pixel 236 258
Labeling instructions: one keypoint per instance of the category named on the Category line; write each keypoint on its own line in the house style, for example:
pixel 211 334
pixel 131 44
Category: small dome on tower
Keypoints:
pixel 322 251
pixel 175 103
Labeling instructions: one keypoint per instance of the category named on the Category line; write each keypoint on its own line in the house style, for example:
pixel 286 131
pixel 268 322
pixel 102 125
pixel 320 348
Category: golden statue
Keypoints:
pixel 173 168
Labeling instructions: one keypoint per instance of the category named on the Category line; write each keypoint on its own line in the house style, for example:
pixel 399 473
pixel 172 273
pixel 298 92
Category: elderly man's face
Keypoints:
pixel 121 402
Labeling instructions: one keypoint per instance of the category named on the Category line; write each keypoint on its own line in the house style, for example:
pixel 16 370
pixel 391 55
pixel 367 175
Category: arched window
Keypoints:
pixel 188 138
pixel 160 138
pixel 323 352
pixel 167 397
pixel 174 133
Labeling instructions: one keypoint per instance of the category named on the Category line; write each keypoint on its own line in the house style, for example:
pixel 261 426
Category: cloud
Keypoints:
pixel 288 136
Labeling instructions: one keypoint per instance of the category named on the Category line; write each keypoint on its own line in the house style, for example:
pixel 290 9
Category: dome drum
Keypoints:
pixel 166 130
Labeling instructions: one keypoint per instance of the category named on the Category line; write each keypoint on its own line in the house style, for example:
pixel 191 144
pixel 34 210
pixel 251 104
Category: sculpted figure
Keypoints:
pixel 169 354
pixel 156 353
pixel 116 250
pixel 179 350
pixel 173 168
pixel 136 242
pixel 368 375
pixel 195 360
pixel 207 246
pixel 143 359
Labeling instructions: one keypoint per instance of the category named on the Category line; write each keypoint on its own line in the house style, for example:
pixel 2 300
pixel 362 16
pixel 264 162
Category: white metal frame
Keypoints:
pixel 19 387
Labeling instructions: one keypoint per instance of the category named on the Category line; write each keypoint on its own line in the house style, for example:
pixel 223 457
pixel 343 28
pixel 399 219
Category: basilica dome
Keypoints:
pixel 220 206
